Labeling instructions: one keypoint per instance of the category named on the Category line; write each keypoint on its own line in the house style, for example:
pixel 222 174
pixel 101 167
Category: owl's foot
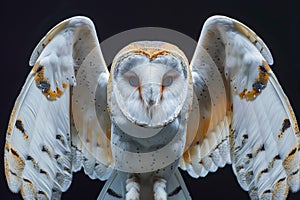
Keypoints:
pixel 132 189
pixel 159 189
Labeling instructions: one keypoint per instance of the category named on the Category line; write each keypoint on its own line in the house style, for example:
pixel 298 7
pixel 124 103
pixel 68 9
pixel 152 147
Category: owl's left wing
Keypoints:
pixel 244 116
pixel 59 122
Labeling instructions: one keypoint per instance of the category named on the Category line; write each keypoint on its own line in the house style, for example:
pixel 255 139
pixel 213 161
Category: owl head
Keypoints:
pixel 149 83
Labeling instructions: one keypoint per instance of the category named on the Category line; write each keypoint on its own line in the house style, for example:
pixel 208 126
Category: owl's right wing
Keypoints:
pixel 60 122
pixel 243 115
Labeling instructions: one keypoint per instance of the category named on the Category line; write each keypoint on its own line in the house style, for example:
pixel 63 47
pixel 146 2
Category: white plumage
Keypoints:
pixel 152 112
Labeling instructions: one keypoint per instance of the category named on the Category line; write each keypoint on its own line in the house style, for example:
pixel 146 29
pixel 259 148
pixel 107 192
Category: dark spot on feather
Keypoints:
pixel 277 157
pixel 14 152
pixel 285 125
pixel 245 136
pixel 221 143
pixel 26 180
pixel 267 191
pixel 237 148
pixel 250 173
pixel 13 173
pixel 262 148
pixel 20 126
pixel 263 69
pixel 44 148
pixel 44 86
pixel 47 150
pixel 295 172
pixel 238 168
pixel 67 169
pixel 249 155
pixel 42 193
pixel 61 139
pixel 292 152
pixel 258 86
pixel 35 164
pixel 44 172
pixel 282 179
pixel 40 67
pixel 262 172
pixel 261 49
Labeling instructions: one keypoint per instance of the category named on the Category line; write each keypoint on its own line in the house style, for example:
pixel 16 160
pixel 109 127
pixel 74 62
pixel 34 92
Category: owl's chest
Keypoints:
pixel 135 154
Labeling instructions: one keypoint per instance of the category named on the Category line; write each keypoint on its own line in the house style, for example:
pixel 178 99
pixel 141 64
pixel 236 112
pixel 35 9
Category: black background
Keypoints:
pixel 24 24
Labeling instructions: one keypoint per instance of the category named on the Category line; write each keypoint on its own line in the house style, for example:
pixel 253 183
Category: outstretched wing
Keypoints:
pixel 59 122
pixel 244 116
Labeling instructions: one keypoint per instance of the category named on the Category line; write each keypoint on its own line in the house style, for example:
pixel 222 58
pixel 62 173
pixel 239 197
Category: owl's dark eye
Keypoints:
pixel 167 81
pixel 134 81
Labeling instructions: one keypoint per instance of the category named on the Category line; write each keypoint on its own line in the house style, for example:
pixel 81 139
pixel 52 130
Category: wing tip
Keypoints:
pixel 44 42
pixel 255 40
pixel 247 32
pixel 72 21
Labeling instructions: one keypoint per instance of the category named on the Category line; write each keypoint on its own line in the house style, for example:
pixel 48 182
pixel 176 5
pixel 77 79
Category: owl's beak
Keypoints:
pixel 150 95
pixel 151 99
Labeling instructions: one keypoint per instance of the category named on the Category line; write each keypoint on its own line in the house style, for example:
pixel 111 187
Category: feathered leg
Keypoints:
pixel 132 188
pixel 159 189
pixel 121 186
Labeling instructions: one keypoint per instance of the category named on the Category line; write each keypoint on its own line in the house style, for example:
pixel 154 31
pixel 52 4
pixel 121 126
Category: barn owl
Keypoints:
pixel 150 114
